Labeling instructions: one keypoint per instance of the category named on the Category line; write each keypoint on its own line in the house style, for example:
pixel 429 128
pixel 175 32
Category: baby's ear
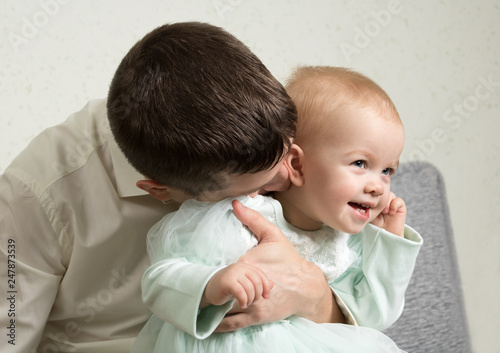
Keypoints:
pixel 293 163
pixel 157 190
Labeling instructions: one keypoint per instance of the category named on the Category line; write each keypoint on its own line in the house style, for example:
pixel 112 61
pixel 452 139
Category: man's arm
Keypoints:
pixel 300 288
pixel 30 257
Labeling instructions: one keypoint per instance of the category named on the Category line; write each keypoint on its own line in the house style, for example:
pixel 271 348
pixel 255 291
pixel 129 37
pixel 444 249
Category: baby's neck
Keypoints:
pixel 293 211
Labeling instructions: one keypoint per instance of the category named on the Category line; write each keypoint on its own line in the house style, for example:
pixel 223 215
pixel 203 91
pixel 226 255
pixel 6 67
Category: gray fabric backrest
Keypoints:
pixel 434 317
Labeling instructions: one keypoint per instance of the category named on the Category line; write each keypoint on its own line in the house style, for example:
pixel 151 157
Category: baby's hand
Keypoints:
pixel 393 217
pixel 244 282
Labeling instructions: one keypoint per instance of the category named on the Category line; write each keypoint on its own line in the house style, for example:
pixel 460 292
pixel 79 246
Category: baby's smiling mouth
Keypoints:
pixel 362 208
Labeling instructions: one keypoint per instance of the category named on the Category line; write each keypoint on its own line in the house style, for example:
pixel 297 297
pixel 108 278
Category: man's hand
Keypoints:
pixel 300 287
pixel 393 217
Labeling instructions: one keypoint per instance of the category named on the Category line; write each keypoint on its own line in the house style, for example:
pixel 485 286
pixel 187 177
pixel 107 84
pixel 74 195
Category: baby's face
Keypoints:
pixel 348 169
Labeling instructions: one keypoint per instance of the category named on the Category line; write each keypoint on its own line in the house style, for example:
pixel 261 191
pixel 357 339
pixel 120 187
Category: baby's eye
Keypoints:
pixel 359 164
pixel 388 171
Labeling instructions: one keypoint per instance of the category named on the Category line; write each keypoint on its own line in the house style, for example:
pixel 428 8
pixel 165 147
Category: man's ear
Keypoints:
pixel 294 163
pixel 157 190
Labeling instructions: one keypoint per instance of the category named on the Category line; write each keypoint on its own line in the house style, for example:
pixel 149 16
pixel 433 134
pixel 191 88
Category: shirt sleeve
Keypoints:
pixel 31 260
pixel 372 289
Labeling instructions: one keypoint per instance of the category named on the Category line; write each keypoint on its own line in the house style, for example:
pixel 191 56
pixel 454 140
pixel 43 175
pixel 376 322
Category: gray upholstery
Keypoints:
pixel 434 317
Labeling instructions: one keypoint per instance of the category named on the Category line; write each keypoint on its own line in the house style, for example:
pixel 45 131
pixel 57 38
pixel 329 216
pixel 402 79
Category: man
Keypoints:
pixel 74 210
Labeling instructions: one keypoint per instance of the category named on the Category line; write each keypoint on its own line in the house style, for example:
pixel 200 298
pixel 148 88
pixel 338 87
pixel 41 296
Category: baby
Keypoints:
pixel 349 139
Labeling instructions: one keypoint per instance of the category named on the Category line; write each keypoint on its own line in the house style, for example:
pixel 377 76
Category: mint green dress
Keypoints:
pixel 202 237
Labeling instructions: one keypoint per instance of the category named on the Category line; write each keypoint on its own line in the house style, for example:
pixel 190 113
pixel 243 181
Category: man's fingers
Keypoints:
pixel 256 314
pixel 234 322
pixel 267 286
pixel 263 230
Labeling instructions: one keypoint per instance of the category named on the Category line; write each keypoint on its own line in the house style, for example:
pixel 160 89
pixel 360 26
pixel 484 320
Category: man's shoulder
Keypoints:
pixel 61 149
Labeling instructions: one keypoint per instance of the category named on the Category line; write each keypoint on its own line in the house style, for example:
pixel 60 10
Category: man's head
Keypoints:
pixel 190 105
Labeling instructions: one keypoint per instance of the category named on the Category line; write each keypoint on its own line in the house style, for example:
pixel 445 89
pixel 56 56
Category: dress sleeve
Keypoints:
pixel 373 287
pixel 32 265
pixel 187 248
pixel 172 289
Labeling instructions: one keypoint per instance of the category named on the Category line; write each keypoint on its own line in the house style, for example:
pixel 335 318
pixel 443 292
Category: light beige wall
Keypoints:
pixel 439 61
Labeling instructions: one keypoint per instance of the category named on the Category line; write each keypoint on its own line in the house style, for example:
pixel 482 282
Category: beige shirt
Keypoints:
pixel 73 229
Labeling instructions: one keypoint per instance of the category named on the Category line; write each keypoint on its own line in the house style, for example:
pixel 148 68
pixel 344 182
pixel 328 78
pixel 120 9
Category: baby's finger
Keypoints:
pixel 255 287
pixel 244 292
pixel 265 284
pixel 387 208
pixel 397 205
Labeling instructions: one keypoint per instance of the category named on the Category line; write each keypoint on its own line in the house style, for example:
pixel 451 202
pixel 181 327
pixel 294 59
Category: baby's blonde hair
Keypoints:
pixel 318 91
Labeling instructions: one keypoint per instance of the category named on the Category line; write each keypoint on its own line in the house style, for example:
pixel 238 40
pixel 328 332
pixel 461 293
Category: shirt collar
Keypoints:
pixel 126 175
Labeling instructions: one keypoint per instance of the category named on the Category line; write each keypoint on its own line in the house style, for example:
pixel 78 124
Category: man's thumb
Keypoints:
pixel 263 230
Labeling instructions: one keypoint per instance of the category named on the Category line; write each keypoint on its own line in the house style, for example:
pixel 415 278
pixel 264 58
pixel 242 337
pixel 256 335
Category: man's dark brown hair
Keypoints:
pixel 189 101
